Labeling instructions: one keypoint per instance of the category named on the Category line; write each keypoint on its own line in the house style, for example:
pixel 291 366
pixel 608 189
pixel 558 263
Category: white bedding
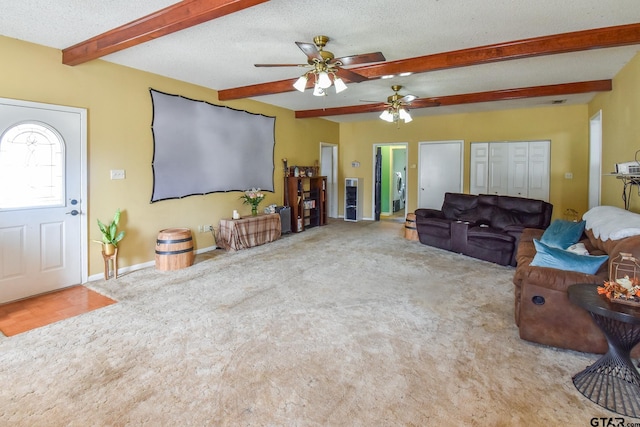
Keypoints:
pixel 610 222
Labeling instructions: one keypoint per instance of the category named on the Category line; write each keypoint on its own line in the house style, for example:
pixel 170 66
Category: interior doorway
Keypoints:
pixel 595 159
pixel 329 168
pixel 391 172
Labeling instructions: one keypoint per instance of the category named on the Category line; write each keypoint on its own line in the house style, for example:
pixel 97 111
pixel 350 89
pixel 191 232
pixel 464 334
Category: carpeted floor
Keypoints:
pixel 344 325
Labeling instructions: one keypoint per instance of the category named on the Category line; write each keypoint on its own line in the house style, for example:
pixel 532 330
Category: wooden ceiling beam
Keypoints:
pixel 174 18
pixel 600 38
pixel 469 98
pixel 622 35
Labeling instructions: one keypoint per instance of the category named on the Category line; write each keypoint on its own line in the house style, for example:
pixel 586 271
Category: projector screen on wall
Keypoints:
pixel 201 148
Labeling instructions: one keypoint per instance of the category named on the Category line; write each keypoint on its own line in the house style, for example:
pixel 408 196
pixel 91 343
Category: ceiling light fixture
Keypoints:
pixel 396 107
pixel 395 113
pixel 318 90
pixel 324 77
pixel 301 83
pixel 326 68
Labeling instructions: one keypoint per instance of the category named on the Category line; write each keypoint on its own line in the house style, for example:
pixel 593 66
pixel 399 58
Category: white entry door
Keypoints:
pixel 440 171
pixel 42 243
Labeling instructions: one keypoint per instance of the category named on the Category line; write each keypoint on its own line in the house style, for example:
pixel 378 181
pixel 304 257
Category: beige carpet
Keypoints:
pixel 344 325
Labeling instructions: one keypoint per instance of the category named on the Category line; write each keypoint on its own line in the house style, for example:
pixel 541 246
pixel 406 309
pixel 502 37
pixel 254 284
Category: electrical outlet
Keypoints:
pixel 209 227
pixel 117 174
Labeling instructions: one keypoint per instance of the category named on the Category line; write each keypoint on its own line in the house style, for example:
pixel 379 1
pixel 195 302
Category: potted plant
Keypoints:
pixel 110 235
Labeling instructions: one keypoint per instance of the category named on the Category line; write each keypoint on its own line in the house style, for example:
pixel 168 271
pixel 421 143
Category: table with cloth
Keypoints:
pixel 243 233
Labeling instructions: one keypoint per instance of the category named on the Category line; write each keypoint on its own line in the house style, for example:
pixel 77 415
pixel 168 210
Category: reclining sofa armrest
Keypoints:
pixel 459 230
pixel 428 213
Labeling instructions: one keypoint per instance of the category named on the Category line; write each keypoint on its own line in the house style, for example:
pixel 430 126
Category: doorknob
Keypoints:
pixel 73 212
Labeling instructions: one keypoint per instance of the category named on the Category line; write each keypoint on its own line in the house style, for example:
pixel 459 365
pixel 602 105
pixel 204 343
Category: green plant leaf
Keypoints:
pixel 118 238
pixel 110 232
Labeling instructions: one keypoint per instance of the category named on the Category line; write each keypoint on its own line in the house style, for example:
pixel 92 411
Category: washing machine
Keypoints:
pixel 399 192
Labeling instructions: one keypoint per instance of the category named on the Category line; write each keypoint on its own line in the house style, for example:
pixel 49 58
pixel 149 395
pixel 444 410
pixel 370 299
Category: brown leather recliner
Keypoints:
pixel 543 311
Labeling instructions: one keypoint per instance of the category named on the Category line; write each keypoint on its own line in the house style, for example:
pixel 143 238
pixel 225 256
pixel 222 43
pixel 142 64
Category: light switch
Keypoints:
pixel 568 175
pixel 117 174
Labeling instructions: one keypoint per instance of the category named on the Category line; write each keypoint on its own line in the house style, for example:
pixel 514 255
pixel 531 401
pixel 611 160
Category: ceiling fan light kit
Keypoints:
pixel 301 83
pixel 404 115
pixel 339 84
pixel 327 69
pixel 323 80
pixel 394 115
pixel 387 115
pixel 395 110
pixel 318 91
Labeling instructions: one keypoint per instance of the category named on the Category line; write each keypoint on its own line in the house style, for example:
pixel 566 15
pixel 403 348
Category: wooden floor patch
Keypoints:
pixel 25 315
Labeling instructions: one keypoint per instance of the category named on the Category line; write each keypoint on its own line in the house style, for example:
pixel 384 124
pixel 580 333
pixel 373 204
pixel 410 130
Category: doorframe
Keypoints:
pixel 333 181
pixel 595 160
pixel 82 112
pixel 404 145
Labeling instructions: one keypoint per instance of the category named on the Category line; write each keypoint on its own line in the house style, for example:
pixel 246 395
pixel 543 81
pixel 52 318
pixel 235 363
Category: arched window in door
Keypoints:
pixel 31 166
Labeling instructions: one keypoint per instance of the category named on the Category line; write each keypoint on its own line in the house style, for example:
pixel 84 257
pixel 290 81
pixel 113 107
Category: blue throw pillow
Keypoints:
pixel 547 256
pixel 562 234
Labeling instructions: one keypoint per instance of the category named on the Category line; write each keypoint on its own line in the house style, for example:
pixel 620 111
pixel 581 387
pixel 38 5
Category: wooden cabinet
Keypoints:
pixel 307 198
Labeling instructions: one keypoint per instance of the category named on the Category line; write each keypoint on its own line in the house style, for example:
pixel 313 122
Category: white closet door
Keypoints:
pixel 498 168
pixel 479 173
pixel 439 171
pixel 539 155
pixel 518 181
pixel 518 169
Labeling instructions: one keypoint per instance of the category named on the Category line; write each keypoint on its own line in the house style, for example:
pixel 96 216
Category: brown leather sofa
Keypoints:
pixel 486 227
pixel 543 311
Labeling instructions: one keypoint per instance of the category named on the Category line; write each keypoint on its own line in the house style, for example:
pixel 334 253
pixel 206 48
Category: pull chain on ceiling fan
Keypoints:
pixel 325 68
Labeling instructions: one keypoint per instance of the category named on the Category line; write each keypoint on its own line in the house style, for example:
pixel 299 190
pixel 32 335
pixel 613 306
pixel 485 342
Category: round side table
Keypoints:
pixel 613 381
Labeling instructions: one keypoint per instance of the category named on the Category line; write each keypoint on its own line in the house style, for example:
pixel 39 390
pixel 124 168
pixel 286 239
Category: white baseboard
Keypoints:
pixel 136 267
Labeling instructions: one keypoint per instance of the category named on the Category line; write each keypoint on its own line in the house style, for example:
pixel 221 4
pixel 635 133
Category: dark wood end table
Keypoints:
pixel 613 381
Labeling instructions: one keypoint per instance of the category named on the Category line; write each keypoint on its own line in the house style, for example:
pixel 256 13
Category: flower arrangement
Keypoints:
pixel 253 197
pixel 623 285
pixel 621 289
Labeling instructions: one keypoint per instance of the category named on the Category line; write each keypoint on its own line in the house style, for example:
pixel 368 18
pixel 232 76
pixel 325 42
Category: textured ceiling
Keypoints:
pixel 220 54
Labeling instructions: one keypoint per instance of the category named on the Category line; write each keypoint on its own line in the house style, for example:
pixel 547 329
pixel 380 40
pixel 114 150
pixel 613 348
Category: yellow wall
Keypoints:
pixel 565 126
pixel 620 131
pixel 119 137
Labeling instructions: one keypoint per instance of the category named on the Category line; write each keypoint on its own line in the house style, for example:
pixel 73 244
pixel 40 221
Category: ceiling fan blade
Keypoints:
pixel 310 50
pixel 343 73
pixel 360 59
pixel 280 65
pixel 407 99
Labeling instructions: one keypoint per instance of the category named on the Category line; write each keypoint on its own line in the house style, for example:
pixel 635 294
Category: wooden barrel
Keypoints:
pixel 410 231
pixel 174 249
